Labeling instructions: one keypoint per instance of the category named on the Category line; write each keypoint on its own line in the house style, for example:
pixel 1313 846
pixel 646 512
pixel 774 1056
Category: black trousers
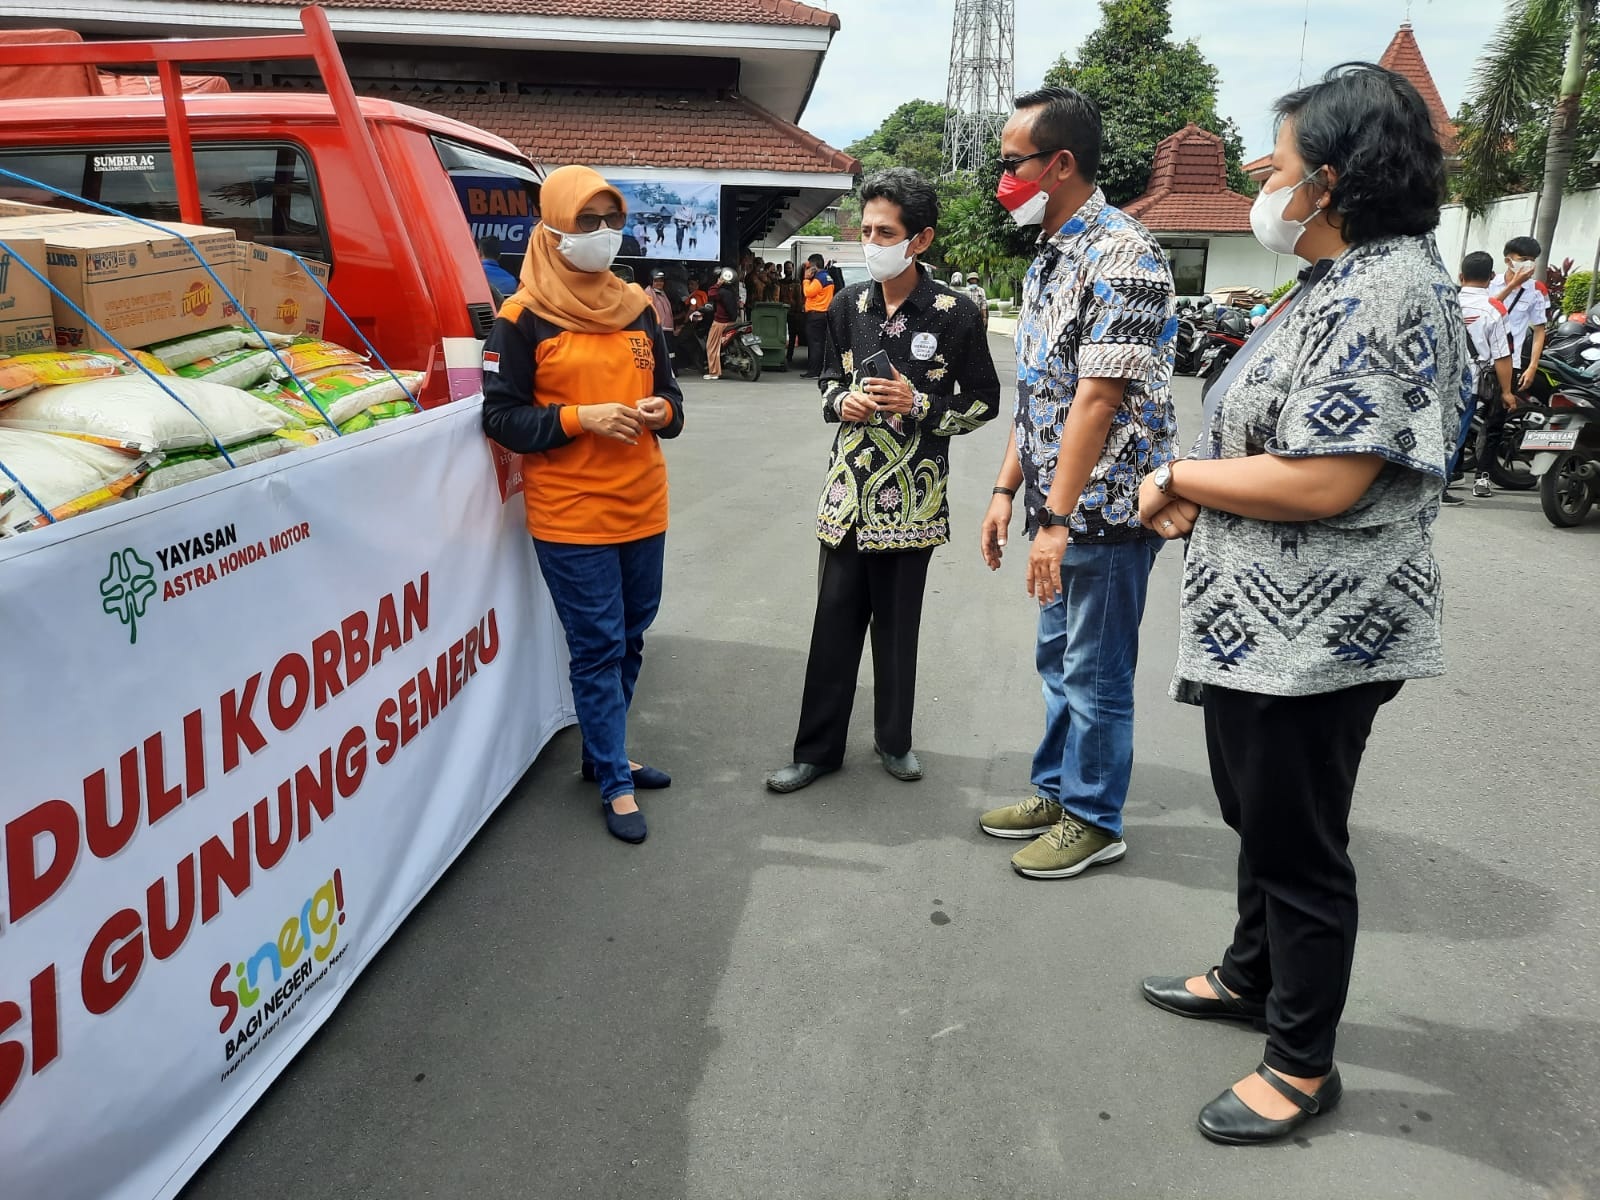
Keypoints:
pixel 855 591
pixel 816 341
pixel 1284 768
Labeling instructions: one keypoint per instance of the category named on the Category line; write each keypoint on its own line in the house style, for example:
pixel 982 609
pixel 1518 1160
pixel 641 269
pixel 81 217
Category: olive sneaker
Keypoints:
pixel 1069 848
pixel 1026 819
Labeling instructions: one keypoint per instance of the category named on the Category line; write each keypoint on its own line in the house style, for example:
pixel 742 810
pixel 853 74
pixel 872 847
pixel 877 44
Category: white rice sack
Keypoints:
pixel 200 465
pixel 66 476
pixel 242 368
pixel 192 347
pixel 133 412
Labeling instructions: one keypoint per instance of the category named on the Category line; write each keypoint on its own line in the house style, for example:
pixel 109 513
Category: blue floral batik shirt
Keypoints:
pixel 1372 360
pixel 1097 304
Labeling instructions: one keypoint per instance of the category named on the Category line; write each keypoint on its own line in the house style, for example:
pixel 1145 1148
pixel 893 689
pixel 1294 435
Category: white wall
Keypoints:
pixel 1577 232
pixel 1238 260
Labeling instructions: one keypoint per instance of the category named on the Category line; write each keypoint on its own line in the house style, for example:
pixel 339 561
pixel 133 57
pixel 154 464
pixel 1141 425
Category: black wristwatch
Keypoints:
pixel 1044 518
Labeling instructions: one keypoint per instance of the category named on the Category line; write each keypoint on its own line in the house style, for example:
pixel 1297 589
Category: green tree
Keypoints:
pixel 1147 87
pixel 1532 118
pixel 911 136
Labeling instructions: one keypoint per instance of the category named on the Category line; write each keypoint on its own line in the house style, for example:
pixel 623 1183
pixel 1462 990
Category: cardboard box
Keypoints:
pixel 141 286
pixel 27 320
pixel 16 208
pixel 278 294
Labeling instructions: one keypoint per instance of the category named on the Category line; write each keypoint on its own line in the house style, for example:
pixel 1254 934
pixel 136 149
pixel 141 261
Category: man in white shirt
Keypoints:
pixel 1527 304
pixel 1490 340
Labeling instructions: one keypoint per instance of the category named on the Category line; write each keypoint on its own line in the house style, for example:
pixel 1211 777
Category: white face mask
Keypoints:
pixel 1272 229
pixel 1031 211
pixel 591 252
pixel 887 262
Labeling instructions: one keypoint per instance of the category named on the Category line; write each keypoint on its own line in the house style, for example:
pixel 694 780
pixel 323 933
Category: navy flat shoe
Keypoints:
pixel 626 827
pixel 646 778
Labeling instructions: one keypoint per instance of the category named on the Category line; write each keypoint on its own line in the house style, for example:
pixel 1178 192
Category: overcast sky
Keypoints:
pixel 890 51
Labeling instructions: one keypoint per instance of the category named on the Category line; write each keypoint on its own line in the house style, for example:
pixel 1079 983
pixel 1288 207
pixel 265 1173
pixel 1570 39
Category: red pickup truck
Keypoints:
pixel 385 208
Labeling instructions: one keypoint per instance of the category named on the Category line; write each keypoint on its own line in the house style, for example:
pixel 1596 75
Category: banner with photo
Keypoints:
pixel 244 731
pixel 671 219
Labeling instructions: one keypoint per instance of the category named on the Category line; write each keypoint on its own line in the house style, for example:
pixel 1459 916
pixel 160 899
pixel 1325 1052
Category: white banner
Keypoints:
pixel 244 727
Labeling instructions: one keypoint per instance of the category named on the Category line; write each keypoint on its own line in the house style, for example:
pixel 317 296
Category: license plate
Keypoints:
pixel 1550 439
pixel 751 340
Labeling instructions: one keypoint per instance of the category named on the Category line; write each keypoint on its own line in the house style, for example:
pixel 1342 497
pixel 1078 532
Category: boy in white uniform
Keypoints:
pixel 1489 339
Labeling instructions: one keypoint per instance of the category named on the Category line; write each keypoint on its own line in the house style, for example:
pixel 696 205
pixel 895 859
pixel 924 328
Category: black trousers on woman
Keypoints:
pixel 1284 768
pixel 855 591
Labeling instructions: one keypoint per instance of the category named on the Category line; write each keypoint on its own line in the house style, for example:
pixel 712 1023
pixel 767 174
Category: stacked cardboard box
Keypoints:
pixel 277 294
pixel 139 285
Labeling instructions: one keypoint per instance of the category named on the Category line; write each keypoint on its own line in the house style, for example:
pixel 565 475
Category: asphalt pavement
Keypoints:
pixel 847 994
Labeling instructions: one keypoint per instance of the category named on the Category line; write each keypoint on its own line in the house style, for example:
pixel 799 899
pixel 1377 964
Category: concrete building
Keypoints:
pixel 1201 223
pixel 702 97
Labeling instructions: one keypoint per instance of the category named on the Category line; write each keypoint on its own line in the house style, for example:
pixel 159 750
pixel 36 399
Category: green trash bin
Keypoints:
pixel 771 323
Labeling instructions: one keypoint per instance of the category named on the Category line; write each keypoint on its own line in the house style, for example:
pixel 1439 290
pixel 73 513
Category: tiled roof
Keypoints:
pixel 1188 190
pixel 1259 168
pixel 723 12
pixel 1404 57
pixel 611 128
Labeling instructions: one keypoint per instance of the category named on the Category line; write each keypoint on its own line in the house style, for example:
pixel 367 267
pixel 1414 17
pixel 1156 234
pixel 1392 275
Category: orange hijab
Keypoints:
pixel 579 301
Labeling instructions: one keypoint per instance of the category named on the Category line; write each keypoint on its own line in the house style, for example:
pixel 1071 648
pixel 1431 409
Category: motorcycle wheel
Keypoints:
pixel 1564 494
pixel 1508 467
pixel 746 365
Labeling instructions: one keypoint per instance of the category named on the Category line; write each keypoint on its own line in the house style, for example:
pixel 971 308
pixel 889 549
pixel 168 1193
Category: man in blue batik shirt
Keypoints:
pixel 1093 418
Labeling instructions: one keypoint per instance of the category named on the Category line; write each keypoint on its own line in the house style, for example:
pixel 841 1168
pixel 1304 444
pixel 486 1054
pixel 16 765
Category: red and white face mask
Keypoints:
pixel 1025 200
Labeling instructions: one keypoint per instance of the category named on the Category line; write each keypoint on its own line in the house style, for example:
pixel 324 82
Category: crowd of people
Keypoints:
pixel 1309 594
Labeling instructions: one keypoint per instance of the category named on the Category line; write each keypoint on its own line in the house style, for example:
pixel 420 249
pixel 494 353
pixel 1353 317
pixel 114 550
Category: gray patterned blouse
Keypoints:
pixel 1373 360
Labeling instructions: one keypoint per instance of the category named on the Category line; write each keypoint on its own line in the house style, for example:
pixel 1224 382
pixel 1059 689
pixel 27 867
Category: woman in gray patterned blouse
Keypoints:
pixel 1310 590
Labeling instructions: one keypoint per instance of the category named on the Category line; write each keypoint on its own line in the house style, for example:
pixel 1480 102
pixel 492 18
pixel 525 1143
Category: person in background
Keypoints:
pixel 1490 345
pixel 818 289
pixel 883 506
pixel 578 380
pixel 661 301
pixel 1311 592
pixel 1527 305
pixel 500 279
pixel 980 298
pixel 791 295
pixel 725 310
pixel 1093 413
pixel 641 235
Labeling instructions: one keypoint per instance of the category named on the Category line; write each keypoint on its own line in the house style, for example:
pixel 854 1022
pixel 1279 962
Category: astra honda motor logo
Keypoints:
pixel 258 991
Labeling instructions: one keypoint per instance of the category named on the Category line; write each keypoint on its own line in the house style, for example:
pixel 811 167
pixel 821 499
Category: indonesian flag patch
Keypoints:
pixel 491 361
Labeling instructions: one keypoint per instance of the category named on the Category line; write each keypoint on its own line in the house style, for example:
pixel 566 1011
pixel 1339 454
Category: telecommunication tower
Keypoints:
pixel 983 79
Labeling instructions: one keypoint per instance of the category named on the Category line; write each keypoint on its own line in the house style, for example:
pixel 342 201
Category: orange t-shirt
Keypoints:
pixel 593 490
pixel 818 296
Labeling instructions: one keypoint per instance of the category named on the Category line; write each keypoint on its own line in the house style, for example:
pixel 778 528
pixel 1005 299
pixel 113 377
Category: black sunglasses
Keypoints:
pixel 589 222
pixel 1010 165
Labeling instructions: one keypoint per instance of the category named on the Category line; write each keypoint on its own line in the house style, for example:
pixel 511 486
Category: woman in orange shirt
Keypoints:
pixel 578 380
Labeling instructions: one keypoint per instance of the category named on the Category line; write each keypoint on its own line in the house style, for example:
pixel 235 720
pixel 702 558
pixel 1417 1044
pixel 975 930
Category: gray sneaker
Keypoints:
pixel 1025 819
pixel 1480 486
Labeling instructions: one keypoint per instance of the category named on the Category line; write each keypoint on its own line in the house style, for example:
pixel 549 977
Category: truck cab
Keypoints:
pixel 278 169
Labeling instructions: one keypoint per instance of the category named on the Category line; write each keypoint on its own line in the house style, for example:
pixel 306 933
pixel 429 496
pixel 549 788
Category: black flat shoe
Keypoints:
pixel 1169 995
pixel 905 766
pixel 646 778
pixel 796 776
pixel 625 827
pixel 1228 1120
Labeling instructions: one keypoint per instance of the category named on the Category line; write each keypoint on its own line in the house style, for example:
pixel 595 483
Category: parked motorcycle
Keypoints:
pixel 1194 321
pixel 1223 342
pixel 1566 454
pixel 741 348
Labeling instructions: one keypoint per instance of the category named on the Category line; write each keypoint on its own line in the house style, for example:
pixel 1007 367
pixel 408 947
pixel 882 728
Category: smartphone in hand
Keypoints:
pixel 875 366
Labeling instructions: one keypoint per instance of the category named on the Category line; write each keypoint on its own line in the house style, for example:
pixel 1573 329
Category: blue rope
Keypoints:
pixel 168 232
pixel 100 329
pixel 28 492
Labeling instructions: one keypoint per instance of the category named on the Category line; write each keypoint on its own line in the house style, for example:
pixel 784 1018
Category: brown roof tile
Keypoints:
pixel 1188 189
pixel 610 128
pixel 1404 57
pixel 735 12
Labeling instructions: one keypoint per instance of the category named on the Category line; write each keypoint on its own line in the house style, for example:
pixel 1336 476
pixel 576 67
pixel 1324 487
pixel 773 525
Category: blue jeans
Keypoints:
pixel 1087 650
pixel 606 597
pixel 1461 440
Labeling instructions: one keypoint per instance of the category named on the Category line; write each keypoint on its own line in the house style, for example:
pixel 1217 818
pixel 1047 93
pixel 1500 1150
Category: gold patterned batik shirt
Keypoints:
pixel 886 478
